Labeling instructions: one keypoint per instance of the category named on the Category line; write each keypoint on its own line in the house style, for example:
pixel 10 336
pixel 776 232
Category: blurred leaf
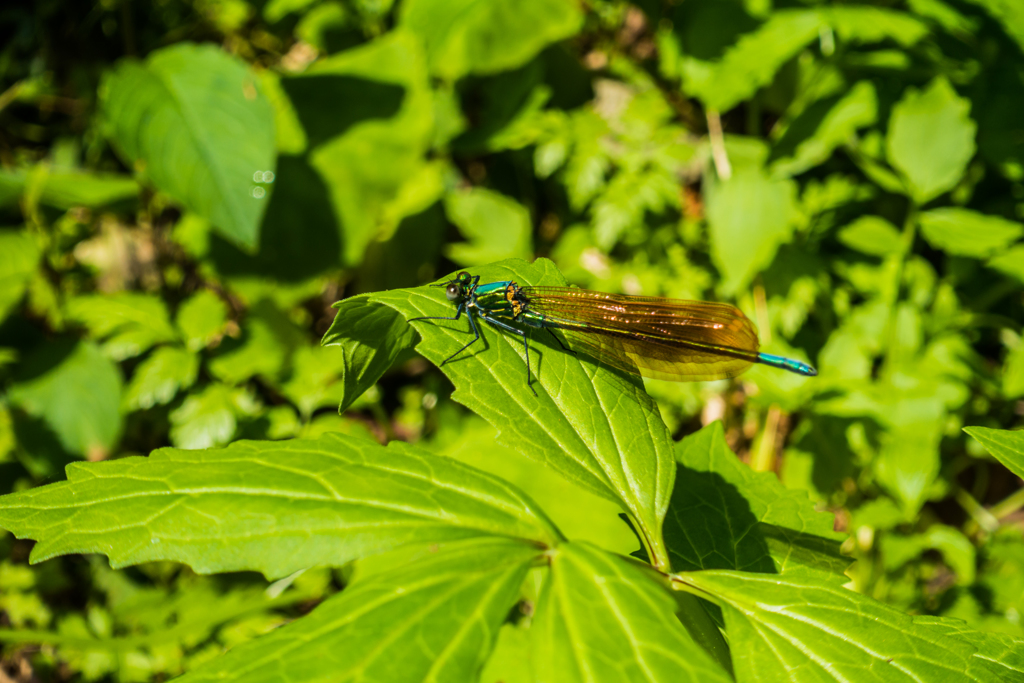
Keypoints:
pixel 76 390
pixel 66 188
pixel 194 120
pixel 956 549
pixel 130 322
pixel 465 37
pixel 748 520
pixel 368 166
pixel 313 384
pixel 160 377
pixel 1010 14
pixel 866 24
pixel 201 319
pixel 752 62
pixel 274 507
pixel 208 418
pixel 1010 262
pixel 603 618
pixel 1005 446
pixel 450 602
pixel 872 235
pixel 370 338
pixel 581 415
pixel 749 216
pixel 931 139
pixel 1013 373
pixel 495 227
pixel 962 232
pixel 810 139
pixel 19 257
pixel 268 340
pixel 804 624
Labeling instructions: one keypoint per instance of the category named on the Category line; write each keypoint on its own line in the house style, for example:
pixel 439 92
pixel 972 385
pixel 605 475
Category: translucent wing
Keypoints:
pixel 659 338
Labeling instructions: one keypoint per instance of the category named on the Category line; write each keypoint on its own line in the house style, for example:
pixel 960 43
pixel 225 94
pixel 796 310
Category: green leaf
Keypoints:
pixel 209 417
pixel 1010 14
pixel 76 390
pixel 601 617
pixel 434 619
pixel 724 515
pixel 494 226
pixel 313 384
pixel 1010 263
pixel 160 377
pixel 815 630
pixel 369 337
pixel 66 188
pixel 1004 445
pixel 930 139
pixel 268 340
pixel 130 322
pixel 752 62
pixel 368 168
pixel 872 235
pixel 1013 373
pixel 811 138
pixel 750 216
pixel 465 37
pixel 962 232
pixel 19 257
pixel 194 120
pixel 865 24
pixel 999 653
pixel 269 506
pixel 201 319
pixel 595 426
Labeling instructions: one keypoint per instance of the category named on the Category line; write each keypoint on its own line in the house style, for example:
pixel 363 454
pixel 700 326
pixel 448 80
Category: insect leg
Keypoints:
pixel 476 337
pixel 526 345
pixel 564 347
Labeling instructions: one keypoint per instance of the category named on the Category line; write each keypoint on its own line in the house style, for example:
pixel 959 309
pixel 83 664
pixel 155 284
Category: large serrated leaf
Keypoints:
pixel 434 619
pixel 1006 446
pixel 724 515
pixel 595 426
pixel 194 119
pixel 274 507
pixel 804 627
pixel 603 618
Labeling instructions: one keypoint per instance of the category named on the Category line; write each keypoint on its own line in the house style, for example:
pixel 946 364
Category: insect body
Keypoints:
pixel 656 337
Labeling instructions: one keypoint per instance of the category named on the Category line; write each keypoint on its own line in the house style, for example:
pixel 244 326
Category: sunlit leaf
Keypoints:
pixel 19 256
pixel 1005 446
pixel 962 232
pixel 158 378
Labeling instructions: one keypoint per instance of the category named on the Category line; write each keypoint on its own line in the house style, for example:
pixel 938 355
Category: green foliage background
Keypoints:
pixel 187 188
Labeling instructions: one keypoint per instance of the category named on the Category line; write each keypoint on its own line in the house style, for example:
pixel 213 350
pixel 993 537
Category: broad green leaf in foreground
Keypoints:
pixel 18 258
pixel 724 515
pixel 604 618
pixel 1005 445
pixel 487 36
pixel 1000 653
pixel 434 619
pixel 931 139
pixel 962 232
pixel 76 390
pixel 803 628
pixel 595 426
pixel 194 119
pixel 274 507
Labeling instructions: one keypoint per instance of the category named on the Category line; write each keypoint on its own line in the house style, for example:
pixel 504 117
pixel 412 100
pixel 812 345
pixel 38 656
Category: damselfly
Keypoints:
pixel 656 337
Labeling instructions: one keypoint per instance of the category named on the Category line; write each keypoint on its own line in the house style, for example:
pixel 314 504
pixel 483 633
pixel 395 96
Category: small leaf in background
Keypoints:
pixel 270 506
pixel 1010 14
pixel 866 24
pixel 601 618
pixel 209 417
pixel 801 622
pixel 872 235
pixel 131 323
pixel 194 120
pixel 201 319
pixel 1013 372
pixel 1010 262
pixel 432 619
pixel 268 339
pixel 160 377
pixel 487 36
pixel 76 390
pixel 962 232
pixel 314 381
pixel 19 256
pixel 931 139
pixel 495 227
pixel 1005 446
pixel 749 217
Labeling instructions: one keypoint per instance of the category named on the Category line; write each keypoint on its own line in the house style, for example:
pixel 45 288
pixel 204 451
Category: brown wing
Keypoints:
pixel 659 338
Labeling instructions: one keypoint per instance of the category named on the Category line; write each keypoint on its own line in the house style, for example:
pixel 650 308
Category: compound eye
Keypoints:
pixel 453 292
